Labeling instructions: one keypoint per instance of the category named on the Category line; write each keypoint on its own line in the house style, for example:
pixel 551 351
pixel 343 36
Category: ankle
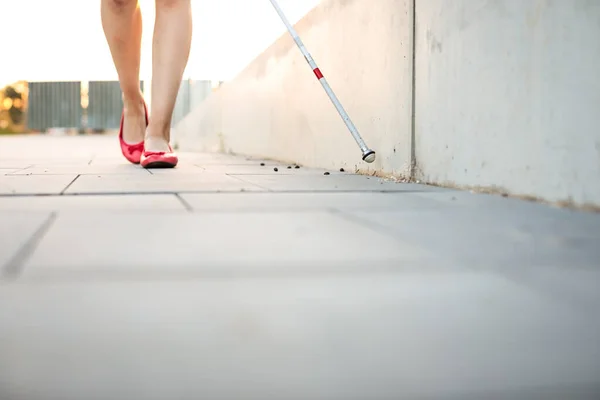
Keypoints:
pixel 154 137
pixel 158 131
pixel 134 105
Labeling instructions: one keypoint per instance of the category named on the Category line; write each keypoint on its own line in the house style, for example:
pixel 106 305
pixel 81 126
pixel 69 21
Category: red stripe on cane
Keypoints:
pixel 318 73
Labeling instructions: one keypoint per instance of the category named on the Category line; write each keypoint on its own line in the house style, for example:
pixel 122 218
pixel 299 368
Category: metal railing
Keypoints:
pixel 95 105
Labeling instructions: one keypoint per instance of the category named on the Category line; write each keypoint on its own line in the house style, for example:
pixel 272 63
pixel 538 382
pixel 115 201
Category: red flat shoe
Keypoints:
pixel 159 159
pixel 132 152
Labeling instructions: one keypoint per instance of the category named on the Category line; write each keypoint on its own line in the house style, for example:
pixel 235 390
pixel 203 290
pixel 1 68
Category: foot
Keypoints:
pixel 131 145
pixel 158 153
pixel 134 122
pixel 156 144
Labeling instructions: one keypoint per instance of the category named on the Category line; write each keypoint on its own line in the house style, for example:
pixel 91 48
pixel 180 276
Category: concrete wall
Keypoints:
pixel 506 95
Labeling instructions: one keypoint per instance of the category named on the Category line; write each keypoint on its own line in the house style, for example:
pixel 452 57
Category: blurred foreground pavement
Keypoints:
pixel 224 279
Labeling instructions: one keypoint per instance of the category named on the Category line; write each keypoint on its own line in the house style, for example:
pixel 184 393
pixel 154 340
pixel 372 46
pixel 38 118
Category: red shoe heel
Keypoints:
pixel 159 159
pixel 132 152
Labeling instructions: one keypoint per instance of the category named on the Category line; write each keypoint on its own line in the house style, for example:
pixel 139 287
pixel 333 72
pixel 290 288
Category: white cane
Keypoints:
pixel 368 155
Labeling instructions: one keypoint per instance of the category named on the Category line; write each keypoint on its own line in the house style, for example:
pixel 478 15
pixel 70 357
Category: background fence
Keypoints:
pixel 105 104
pixel 96 105
pixel 54 105
pixel 191 93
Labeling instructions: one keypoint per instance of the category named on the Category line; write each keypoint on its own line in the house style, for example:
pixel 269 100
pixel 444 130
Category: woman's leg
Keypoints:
pixel 170 52
pixel 122 23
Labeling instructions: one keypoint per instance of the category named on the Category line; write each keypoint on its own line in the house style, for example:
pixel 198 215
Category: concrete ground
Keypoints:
pixel 223 279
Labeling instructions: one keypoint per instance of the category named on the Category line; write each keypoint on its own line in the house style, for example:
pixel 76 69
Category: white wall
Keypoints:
pixel 507 95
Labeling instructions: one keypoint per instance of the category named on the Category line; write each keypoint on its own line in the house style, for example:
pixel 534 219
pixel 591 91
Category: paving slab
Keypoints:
pixel 34 184
pixel 224 279
pixel 88 203
pixel 189 158
pixel 490 237
pixel 337 182
pixel 527 217
pixel 85 169
pixel 285 201
pixel 8 171
pixel 228 168
pixel 206 160
pixel 14 164
pixel 565 261
pixel 230 243
pixel 185 159
pixel 16 228
pixel 268 169
pixel 55 148
pixel 499 202
pixel 184 168
pixel 406 336
pixel 110 160
pixel 46 162
pixel 152 183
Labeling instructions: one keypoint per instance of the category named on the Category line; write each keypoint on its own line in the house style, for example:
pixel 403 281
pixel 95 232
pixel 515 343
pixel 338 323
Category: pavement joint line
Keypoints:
pixel 13 268
pixel 20 170
pixel 306 191
pixel 69 185
pixel 248 183
pixel 185 203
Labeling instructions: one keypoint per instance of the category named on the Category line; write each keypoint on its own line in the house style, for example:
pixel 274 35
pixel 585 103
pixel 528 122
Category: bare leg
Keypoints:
pixel 122 23
pixel 170 52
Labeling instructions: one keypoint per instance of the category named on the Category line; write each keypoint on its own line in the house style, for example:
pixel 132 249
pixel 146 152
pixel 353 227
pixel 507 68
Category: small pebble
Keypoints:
pixel 275 169
pixel 341 169
pixel 326 173
pixel 297 167
pixel 289 167
pixel 262 164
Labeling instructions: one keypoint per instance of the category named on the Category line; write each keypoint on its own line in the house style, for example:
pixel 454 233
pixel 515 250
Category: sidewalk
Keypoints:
pixel 226 279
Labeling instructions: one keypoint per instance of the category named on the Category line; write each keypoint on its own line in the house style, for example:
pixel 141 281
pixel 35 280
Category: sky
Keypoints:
pixel 63 39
